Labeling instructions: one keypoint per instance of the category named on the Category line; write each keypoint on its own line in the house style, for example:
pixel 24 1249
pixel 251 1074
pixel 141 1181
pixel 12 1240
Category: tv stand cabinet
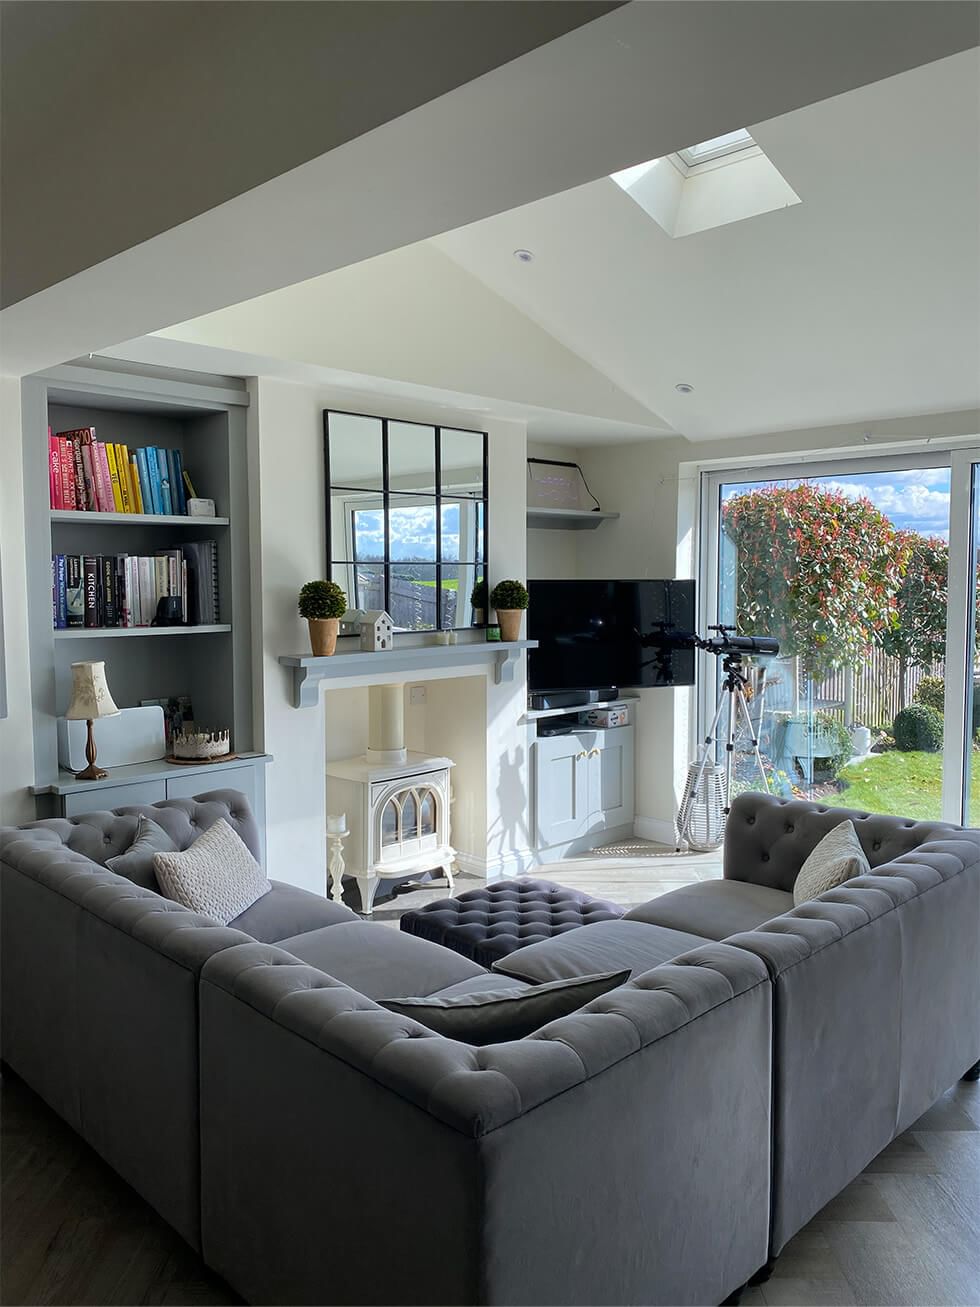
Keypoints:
pixel 582 790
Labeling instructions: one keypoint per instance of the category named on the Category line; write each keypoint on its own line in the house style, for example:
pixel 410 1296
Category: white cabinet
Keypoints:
pixel 583 785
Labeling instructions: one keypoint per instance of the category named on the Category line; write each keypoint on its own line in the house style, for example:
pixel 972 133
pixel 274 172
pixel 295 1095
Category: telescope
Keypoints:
pixel 727 643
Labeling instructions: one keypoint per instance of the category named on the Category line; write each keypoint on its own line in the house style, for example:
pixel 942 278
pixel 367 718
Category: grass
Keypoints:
pixel 905 784
pixel 446 585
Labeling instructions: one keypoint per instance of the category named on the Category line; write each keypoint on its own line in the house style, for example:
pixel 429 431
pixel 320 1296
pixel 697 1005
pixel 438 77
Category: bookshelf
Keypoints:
pixel 204 418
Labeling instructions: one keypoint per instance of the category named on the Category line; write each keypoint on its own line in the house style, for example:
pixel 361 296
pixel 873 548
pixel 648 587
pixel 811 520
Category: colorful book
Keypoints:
pixel 153 464
pixel 110 451
pixel 134 483
pixel 122 463
pixel 177 483
pixel 189 485
pixel 165 482
pixel 74 591
pixel 144 477
pixel 88 471
pixel 54 591
pixel 54 470
pixel 148 599
pixel 67 474
pixel 60 593
pixel 109 615
pixel 90 576
pixel 101 458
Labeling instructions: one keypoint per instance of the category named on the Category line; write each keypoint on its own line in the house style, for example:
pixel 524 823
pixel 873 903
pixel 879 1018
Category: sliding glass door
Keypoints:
pixel 866 573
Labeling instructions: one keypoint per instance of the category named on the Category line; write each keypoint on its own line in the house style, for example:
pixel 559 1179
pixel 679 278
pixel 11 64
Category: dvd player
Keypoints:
pixel 543 700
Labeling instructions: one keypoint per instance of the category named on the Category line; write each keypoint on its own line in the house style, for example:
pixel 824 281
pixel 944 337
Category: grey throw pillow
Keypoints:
pixel 136 864
pixel 495 1018
pixel 837 858
pixel 216 876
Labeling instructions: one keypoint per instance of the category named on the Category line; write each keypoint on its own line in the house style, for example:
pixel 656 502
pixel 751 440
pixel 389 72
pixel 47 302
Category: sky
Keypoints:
pixel 916 500
pixel 412 532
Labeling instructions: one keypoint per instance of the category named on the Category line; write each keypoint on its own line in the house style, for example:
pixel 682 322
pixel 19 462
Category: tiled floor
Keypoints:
pixel 907 1231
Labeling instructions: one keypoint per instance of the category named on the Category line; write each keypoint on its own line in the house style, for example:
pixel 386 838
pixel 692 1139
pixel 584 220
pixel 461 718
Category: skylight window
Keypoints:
pixel 718 146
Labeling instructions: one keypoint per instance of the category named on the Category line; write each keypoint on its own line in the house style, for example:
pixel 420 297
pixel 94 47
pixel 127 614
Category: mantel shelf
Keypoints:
pixel 567 519
pixel 356 665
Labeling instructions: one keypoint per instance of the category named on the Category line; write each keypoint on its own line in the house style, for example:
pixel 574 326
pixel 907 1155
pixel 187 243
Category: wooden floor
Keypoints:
pixel 907 1231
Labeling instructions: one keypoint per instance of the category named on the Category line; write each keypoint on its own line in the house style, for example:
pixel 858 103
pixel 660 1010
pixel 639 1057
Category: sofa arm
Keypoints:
pixel 477 1090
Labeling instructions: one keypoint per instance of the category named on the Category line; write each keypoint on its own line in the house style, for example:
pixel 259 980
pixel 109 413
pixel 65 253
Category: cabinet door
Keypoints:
pixel 223 778
pixel 561 790
pixel 611 784
pixel 112 796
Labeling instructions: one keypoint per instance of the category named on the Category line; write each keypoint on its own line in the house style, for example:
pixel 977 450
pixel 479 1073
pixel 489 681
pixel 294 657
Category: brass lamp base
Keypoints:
pixel 91 772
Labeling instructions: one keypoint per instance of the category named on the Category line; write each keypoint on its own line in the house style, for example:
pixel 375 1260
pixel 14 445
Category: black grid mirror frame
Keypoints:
pixel 381 573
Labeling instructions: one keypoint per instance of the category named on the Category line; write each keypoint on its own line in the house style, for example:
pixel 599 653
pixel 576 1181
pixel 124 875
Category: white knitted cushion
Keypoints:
pixel 836 858
pixel 216 876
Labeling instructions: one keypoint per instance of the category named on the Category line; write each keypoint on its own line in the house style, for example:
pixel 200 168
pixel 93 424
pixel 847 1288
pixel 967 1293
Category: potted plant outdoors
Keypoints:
pixel 323 604
pixel 510 599
pixel 478 602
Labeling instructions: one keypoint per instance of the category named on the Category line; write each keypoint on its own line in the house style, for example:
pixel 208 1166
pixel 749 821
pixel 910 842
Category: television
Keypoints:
pixel 610 633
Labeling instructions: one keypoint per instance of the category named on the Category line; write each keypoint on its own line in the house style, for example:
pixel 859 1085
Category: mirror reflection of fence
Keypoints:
pixel 407 517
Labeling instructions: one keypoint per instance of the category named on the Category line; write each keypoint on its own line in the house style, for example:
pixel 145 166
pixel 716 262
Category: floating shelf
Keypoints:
pixel 113 632
pixel 308 672
pixel 538 714
pixel 134 519
pixel 567 519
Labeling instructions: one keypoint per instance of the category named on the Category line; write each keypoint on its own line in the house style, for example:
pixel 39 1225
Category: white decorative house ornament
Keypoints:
pixel 377 631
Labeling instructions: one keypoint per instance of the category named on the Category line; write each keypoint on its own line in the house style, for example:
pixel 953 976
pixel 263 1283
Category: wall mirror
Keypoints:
pixel 406 518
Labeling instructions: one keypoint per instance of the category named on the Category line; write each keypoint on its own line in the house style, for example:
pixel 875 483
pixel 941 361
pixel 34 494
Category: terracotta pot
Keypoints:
pixel 323 635
pixel 509 620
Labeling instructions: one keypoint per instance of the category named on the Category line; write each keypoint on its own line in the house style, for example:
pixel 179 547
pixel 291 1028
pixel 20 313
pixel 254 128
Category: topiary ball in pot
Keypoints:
pixel 918 729
pixel 323 604
pixel 510 599
pixel 478 601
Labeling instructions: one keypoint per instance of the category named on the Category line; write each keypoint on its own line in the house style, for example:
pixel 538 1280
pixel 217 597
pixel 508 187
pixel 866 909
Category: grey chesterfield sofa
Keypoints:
pixel 657 1146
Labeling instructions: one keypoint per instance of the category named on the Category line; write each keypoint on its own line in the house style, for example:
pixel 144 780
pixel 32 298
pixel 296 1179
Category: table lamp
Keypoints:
pixel 90 698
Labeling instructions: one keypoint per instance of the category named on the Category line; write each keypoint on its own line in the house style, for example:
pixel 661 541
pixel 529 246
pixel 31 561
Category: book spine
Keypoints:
pixel 91 576
pixel 110 616
pixel 161 577
pixel 184 606
pixel 74 591
pixel 122 462
pixel 110 451
pixel 54 591
pixel 105 481
pixel 177 483
pixel 60 593
pixel 67 474
pixel 189 485
pixel 54 470
pixel 147 595
pixel 134 481
pixel 75 447
pixel 144 480
pixel 164 481
pixel 88 471
pixel 153 465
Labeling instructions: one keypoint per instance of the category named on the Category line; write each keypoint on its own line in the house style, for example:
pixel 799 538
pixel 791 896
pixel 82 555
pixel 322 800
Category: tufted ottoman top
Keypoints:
pixel 488 923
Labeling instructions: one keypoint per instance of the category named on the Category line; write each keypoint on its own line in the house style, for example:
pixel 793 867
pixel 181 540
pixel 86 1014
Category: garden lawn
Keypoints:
pixel 904 784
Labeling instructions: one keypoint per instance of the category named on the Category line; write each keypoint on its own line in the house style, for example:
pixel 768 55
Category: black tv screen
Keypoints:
pixel 591 633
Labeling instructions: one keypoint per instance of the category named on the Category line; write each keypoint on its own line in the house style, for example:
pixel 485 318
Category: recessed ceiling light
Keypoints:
pixel 524 256
pixel 684 388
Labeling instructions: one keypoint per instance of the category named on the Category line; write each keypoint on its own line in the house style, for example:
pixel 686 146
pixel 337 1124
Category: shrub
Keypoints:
pixel 478 598
pixel 931 691
pixel 508 594
pixel 319 599
pixel 918 728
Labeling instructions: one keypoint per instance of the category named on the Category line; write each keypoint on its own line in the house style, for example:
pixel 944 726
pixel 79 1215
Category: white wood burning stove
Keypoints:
pixel 397 805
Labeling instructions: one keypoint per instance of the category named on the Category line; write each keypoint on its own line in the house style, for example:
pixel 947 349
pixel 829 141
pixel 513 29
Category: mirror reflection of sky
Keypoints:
pixel 914 500
pixel 413 532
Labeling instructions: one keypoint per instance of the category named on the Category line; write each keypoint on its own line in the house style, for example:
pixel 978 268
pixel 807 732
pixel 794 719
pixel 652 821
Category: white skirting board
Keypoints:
pixel 656 829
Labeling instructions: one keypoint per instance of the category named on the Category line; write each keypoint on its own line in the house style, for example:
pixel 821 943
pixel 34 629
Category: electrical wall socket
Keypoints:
pixel 416 694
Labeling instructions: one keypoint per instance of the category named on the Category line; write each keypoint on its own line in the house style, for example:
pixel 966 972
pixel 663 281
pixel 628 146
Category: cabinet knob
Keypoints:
pixel 583 754
pixel 593 753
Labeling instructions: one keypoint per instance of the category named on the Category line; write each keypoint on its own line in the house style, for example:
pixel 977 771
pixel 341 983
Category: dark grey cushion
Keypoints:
pixel 490 1018
pixel 288 910
pixel 489 982
pixel 767 839
pixel 379 962
pixel 606 946
pixel 714 908
pixel 136 864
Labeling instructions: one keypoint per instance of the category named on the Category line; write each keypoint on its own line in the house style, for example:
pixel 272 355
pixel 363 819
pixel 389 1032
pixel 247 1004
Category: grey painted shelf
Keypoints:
pixel 134 519
pixel 538 714
pixel 309 672
pixel 113 632
pixel 567 519
pixel 158 770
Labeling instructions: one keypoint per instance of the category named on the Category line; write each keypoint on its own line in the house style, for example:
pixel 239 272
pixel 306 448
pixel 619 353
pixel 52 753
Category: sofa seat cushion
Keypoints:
pixel 493 1017
pixel 288 910
pixel 714 908
pixel 380 962
pixel 605 946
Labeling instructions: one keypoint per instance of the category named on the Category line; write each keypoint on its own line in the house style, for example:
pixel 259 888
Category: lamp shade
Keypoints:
pixel 90 697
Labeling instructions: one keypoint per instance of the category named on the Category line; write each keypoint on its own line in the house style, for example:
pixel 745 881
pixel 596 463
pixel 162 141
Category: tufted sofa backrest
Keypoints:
pixel 477 1090
pixel 767 838
pixel 99 836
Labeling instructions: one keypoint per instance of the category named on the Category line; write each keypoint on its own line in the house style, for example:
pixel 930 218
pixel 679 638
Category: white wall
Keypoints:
pixel 16 732
pixel 288 526
pixel 552 555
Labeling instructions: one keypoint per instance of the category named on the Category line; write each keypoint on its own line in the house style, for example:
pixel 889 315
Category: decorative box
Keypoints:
pixel 617 715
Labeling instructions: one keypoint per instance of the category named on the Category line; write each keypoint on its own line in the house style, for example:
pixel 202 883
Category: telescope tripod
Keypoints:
pixel 731 696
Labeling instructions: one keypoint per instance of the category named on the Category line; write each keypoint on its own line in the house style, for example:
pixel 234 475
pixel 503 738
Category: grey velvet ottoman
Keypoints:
pixel 490 922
